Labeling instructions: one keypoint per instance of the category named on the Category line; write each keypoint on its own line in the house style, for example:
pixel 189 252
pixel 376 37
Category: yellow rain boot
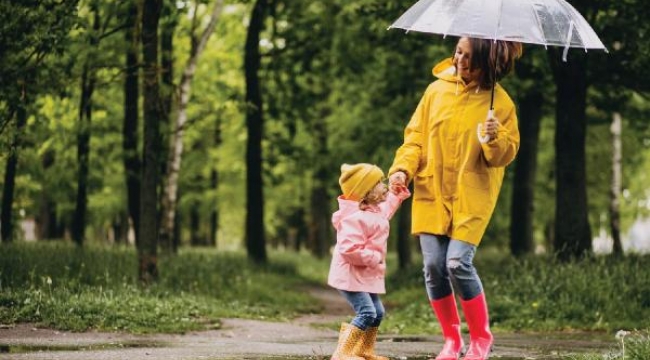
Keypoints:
pixel 366 347
pixel 349 336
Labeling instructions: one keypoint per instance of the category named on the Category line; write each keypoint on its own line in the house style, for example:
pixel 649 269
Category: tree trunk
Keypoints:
pixel 319 234
pixel 195 224
pixel 131 157
pixel 614 205
pixel 120 228
pixel 47 223
pixel 319 229
pixel 6 217
pixel 572 231
pixel 88 80
pixel 214 185
pixel 176 238
pixel 214 213
pixel 167 94
pixel 83 152
pixel 170 198
pixel 255 236
pixel 523 191
pixel 147 246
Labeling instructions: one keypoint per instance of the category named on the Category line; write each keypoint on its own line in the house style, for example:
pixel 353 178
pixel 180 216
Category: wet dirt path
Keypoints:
pixel 307 337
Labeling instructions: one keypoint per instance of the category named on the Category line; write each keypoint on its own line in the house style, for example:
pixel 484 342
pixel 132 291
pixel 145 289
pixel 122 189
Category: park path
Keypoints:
pixel 307 337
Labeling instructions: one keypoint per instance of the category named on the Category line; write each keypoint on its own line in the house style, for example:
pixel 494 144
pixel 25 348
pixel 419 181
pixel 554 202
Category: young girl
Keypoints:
pixel 359 260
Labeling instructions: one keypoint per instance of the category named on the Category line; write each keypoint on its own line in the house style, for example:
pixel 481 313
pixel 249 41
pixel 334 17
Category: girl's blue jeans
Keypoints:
pixel 448 267
pixel 368 308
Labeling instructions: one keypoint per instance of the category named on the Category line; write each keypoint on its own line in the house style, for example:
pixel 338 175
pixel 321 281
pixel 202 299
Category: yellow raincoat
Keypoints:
pixel 456 178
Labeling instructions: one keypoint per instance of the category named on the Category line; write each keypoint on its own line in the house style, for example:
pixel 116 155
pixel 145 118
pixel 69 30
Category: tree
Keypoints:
pixel 615 191
pixel 148 244
pixel 617 77
pixel 24 47
pixel 531 99
pixel 10 172
pixel 624 25
pixel 88 81
pixel 214 186
pixel 255 235
pixel 170 15
pixel 130 157
pixel 176 145
pixel 572 231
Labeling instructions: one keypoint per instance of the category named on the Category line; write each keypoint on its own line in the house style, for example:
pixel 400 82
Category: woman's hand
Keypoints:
pixel 397 182
pixel 491 127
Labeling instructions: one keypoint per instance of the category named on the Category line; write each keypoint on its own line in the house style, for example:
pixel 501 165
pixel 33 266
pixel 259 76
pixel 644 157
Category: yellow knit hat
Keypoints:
pixel 358 179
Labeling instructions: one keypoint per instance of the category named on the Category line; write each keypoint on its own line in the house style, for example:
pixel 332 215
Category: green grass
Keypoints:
pixel 56 285
pixel 537 294
pixel 631 346
pixel 59 286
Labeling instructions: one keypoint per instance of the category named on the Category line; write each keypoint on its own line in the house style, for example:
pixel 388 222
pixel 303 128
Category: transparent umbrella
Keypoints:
pixel 542 22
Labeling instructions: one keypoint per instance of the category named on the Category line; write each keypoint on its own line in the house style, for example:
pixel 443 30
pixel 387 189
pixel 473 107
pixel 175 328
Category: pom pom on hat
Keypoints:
pixel 357 180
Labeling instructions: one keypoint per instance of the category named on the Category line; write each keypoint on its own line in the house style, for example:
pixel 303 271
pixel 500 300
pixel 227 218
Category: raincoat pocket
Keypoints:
pixel 476 180
pixel 474 197
pixel 366 274
pixel 423 187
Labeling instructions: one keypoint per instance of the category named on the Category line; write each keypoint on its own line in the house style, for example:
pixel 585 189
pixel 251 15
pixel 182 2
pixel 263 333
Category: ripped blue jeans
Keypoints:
pixel 448 267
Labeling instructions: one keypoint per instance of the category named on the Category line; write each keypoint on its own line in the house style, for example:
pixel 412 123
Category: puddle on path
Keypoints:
pixel 392 358
pixel 21 349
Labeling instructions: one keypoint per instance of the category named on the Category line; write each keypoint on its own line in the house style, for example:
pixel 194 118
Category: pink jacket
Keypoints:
pixel 359 259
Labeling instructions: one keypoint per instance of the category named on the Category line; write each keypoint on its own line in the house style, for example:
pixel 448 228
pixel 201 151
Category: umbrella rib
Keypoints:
pixel 413 22
pixel 570 12
pixel 496 31
pixel 539 25
pixel 451 22
pixel 557 24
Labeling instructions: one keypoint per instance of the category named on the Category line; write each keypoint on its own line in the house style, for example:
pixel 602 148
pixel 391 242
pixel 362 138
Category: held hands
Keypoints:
pixel 397 182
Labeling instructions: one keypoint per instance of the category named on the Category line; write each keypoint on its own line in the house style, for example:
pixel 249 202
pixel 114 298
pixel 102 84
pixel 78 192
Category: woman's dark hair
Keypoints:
pixel 489 55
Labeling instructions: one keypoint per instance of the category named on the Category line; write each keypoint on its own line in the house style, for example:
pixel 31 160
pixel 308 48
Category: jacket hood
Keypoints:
pixel 445 70
pixel 346 207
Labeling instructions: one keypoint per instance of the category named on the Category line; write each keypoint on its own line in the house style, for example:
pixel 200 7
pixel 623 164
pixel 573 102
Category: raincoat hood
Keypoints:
pixel 346 208
pixel 445 70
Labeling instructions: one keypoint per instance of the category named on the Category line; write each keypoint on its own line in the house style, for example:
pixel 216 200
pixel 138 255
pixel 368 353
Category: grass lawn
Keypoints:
pixel 56 285
pixel 60 286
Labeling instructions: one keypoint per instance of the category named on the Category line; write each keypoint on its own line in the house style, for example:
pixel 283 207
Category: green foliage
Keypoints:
pixel 30 31
pixel 329 62
pixel 215 137
pixel 63 287
pixel 631 346
pixel 537 294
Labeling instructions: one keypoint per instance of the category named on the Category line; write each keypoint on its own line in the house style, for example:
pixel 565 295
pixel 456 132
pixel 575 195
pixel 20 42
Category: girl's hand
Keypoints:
pixel 397 182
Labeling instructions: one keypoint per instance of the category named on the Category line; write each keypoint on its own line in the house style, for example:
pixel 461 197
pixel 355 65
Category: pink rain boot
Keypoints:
pixel 447 314
pixel 476 315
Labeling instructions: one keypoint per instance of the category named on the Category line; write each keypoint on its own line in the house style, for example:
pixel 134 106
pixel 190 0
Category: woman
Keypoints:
pixel 457 180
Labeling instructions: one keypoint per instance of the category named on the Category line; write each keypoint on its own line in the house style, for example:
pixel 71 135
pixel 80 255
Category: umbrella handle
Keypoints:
pixel 479 129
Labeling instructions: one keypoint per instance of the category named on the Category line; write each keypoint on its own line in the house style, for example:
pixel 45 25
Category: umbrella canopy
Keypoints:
pixel 543 22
